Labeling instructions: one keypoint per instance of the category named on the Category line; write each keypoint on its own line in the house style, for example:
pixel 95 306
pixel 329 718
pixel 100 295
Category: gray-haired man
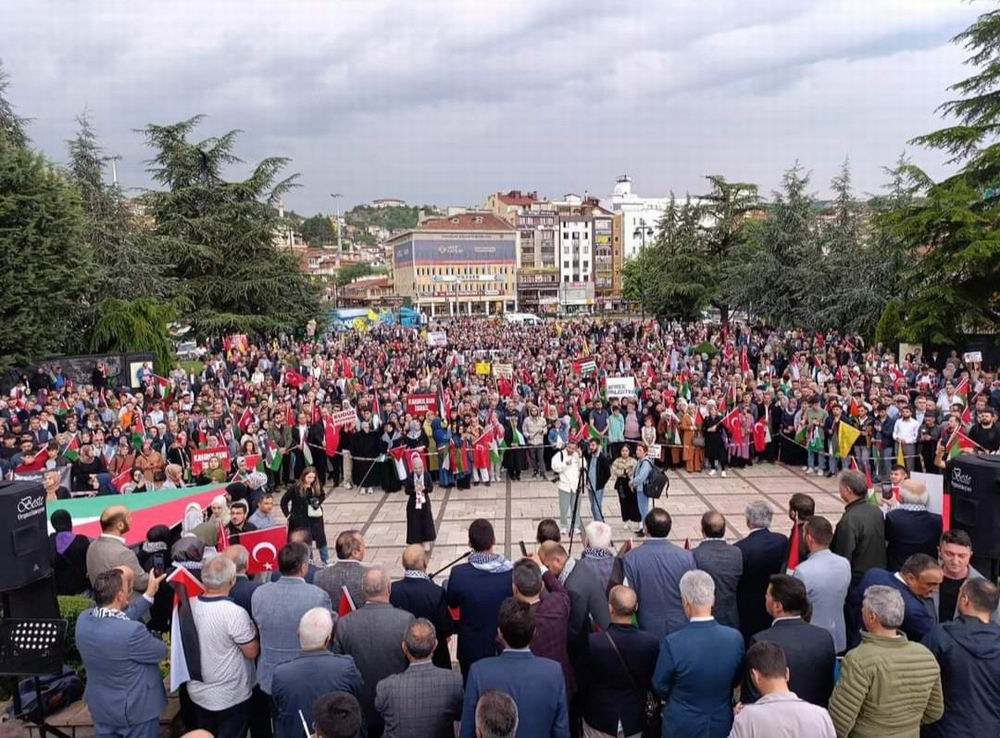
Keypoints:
pixel 424 701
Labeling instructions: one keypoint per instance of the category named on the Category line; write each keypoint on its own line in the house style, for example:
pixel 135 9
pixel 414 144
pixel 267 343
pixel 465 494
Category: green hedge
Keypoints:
pixel 70 607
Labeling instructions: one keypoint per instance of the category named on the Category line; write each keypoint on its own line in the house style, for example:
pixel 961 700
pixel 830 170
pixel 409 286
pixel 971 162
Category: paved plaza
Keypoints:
pixel 516 507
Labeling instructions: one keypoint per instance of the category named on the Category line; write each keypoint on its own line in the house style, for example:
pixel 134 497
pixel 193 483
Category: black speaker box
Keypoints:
pixel 24 540
pixel 974 484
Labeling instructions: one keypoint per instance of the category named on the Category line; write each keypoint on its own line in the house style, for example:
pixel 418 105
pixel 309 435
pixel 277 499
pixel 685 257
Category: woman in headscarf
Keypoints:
pixel 179 453
pixel 193 517
pixel 123 459
pixel 419 517
pixel 391 439
pixel 175 477
pixel 149 461
pixel 154 557
pixel 69 555
pixel 137 485
pixel 365 448
pixel 621 473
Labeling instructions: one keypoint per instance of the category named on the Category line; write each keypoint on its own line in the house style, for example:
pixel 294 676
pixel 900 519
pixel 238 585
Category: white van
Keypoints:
pixel 529 318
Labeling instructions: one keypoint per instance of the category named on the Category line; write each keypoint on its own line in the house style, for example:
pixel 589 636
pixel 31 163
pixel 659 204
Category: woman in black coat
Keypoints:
pixel 715 441
pixel 419 517
pixel 389 476
pixel 302 505
pixel 366 445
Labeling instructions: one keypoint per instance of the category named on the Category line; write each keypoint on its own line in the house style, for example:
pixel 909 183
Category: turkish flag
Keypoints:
pixel 263 546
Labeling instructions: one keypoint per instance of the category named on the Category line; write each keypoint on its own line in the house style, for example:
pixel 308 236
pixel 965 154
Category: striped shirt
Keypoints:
pixel 228 676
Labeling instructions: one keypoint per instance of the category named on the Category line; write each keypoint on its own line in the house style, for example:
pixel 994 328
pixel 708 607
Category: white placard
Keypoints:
pixel 618 387
pixel 972 356
pixel 437 338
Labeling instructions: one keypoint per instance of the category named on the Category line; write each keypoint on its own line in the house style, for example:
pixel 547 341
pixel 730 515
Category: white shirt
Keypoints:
pixel 905 431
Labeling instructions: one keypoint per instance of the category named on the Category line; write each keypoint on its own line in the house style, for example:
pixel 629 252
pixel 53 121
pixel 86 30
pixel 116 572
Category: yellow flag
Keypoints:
pixel 372 316
pixel 360 325
pixel 846 436
pixel 900 459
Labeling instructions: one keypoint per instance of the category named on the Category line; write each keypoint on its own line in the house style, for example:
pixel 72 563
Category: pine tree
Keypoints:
pixel 953 231
pixel 219 235
pixel 45 265
pixel 724 230
pixel 129 263
pixel 11 124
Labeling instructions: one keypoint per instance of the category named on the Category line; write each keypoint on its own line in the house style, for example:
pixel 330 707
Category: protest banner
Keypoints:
pixel 437 339
pixel 970 357
pixel 200 458
pixel 620 387
pixel 344 417
pixel 418 405
pixel 503 370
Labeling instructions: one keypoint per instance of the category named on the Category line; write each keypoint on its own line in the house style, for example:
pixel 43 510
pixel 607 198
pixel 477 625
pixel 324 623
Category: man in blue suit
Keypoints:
pixel 764 553
pixel 124 692
pixel 698 666
pixel 654 570
pixel 919 578
pixel 535 684
pixel 477 589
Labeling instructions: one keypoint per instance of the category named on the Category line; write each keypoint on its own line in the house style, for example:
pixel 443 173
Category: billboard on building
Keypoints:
pixel 442 249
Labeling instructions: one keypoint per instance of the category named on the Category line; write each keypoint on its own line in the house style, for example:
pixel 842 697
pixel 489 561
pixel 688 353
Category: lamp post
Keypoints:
pixel 336 199
pixel 642 231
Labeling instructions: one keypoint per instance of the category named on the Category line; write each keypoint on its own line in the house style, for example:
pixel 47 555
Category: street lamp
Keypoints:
pixel 643 231
pixel 336 199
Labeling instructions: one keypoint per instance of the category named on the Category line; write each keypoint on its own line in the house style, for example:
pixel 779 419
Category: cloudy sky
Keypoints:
pixel 440 101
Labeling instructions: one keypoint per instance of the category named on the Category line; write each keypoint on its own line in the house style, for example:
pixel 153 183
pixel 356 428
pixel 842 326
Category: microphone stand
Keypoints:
pixel 450 564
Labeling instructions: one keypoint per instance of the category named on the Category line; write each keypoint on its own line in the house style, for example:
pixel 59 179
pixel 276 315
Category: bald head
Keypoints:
pixel 550 551
pixel 415 558
pixel 375 585
pixel 114 520
pixel 622 603
pixel 713 524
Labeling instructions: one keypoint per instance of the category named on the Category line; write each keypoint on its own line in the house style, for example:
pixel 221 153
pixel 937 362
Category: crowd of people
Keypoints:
pixel 728 639
pixel 612 642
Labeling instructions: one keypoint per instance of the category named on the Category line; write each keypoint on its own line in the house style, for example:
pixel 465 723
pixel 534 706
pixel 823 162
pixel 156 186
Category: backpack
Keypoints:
pixel 657 483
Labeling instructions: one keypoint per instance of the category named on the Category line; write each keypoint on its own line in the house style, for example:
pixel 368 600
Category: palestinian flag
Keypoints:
pixel 166 389
pixel 584 367
pixel 794 548
pixel 962 390
pixel 402 458
pixel 63 407
pixel 685 391
pixel 870 484
pixel 138 433
pixel 185 654
pixel 71 450
pixel 274 456
pixel 459 459
pixel 166 507
pixel 444 405
pixel 959 444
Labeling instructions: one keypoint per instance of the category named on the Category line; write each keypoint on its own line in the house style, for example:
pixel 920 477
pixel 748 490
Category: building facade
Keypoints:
pixel 460 265
pixel 640 215
pixel 538 275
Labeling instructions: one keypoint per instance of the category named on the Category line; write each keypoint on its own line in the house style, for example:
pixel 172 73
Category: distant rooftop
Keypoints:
pixel 466 222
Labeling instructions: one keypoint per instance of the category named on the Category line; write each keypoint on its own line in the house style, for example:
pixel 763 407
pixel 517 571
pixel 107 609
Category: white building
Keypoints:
pixel 576 260
pixel 639 214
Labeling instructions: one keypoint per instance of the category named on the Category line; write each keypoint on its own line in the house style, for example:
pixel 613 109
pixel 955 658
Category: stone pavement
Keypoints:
pixel 515 508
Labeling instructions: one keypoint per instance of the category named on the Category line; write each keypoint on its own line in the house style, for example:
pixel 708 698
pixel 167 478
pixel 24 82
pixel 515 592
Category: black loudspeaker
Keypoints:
pixel 32 601
pixel 974 484
pixel 24 540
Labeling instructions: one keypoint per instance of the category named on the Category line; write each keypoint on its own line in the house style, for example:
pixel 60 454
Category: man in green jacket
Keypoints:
pixel 888 686
pixel 859 538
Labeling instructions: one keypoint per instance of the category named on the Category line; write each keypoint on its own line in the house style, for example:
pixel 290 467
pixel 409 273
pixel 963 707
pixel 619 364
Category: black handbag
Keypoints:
pixel 653 717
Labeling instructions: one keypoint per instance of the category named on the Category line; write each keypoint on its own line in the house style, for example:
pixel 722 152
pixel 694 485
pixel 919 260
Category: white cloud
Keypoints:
pixel 445 100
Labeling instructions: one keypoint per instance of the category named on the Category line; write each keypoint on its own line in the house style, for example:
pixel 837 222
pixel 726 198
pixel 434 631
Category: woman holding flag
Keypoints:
pixel 715 444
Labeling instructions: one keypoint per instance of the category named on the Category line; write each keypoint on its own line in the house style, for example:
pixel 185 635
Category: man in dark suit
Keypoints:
pixel 124 691
pixel 477 589
pixel 243 589
pixel 424 701
pixel 535 684
pixel 809 649
pixel 618 670
pixel 347 571
pixel 911 528
pixel 919 578
pixel 312 437
pixel 598 470
pixel 654 570
pixel 422 598
pixel 763 555
pixel 298 683
pixel 373 635
pixel 725 563
pixel 698 666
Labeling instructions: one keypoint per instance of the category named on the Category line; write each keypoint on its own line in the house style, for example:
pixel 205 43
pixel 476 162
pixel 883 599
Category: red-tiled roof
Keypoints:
pixel 466 222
